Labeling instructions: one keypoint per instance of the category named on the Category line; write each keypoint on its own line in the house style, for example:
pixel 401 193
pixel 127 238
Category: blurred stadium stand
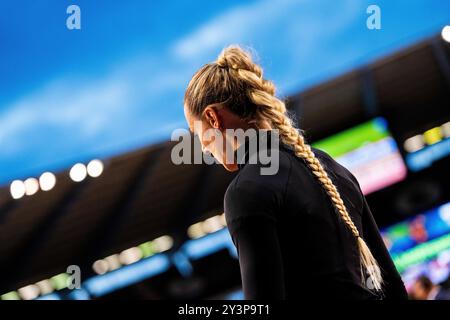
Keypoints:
pixel 142 196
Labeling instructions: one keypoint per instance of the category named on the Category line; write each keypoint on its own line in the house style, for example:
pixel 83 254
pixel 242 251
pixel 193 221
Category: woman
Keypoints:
pixel 305 231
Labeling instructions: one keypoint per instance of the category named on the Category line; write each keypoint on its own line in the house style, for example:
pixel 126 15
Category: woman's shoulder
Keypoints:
pixel 348 185
pixel 336 169
pixel 271 173
pixel 252 192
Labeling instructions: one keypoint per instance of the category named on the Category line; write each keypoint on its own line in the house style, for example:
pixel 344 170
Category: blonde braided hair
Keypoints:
pixel 235 79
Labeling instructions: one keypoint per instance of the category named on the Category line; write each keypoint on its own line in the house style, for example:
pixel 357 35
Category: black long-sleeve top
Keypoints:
pixel 290 240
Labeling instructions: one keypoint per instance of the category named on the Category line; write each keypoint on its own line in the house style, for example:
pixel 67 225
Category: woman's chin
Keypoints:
pixel 231 167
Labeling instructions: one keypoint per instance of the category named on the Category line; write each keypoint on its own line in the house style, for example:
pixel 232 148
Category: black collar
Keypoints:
pixel 262 139
pixel 242 153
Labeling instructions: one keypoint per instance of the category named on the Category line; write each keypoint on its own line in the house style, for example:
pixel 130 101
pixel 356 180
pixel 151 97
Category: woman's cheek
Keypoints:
pixel 216 146
pixel 207 145
pixel 221 151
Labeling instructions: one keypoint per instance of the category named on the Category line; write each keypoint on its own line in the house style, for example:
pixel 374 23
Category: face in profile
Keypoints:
pixel 212 136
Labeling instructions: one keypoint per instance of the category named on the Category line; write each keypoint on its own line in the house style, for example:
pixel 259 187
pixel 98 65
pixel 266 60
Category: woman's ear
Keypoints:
pixel 212 117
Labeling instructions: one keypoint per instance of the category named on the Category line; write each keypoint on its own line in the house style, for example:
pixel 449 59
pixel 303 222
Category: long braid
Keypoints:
pixel 234 79
pixel 262 93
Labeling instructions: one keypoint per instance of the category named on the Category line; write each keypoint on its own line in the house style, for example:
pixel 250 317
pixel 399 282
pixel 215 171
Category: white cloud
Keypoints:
pixel 237 24
pixel 64 103
pixel 295 32
pixel 85 108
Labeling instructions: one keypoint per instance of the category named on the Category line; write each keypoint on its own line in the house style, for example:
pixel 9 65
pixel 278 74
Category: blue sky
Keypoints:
pixel 118 83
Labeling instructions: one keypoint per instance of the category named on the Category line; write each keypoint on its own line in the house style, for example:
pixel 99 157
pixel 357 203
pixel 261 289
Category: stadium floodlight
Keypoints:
pixel 446 33
pixel 130 256
pixel 163 243
pixel 100 266
pixel 113 262
pixel 413 143
pixel 17 189
pixel 31 186
pixel 78 172
pixel 212 224
pixel 45 286
pixel 29 292
pixel 47 181
pixel 95 168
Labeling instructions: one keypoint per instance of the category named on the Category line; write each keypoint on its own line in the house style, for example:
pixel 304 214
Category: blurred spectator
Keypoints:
pixel 424 289
pixel 418 230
